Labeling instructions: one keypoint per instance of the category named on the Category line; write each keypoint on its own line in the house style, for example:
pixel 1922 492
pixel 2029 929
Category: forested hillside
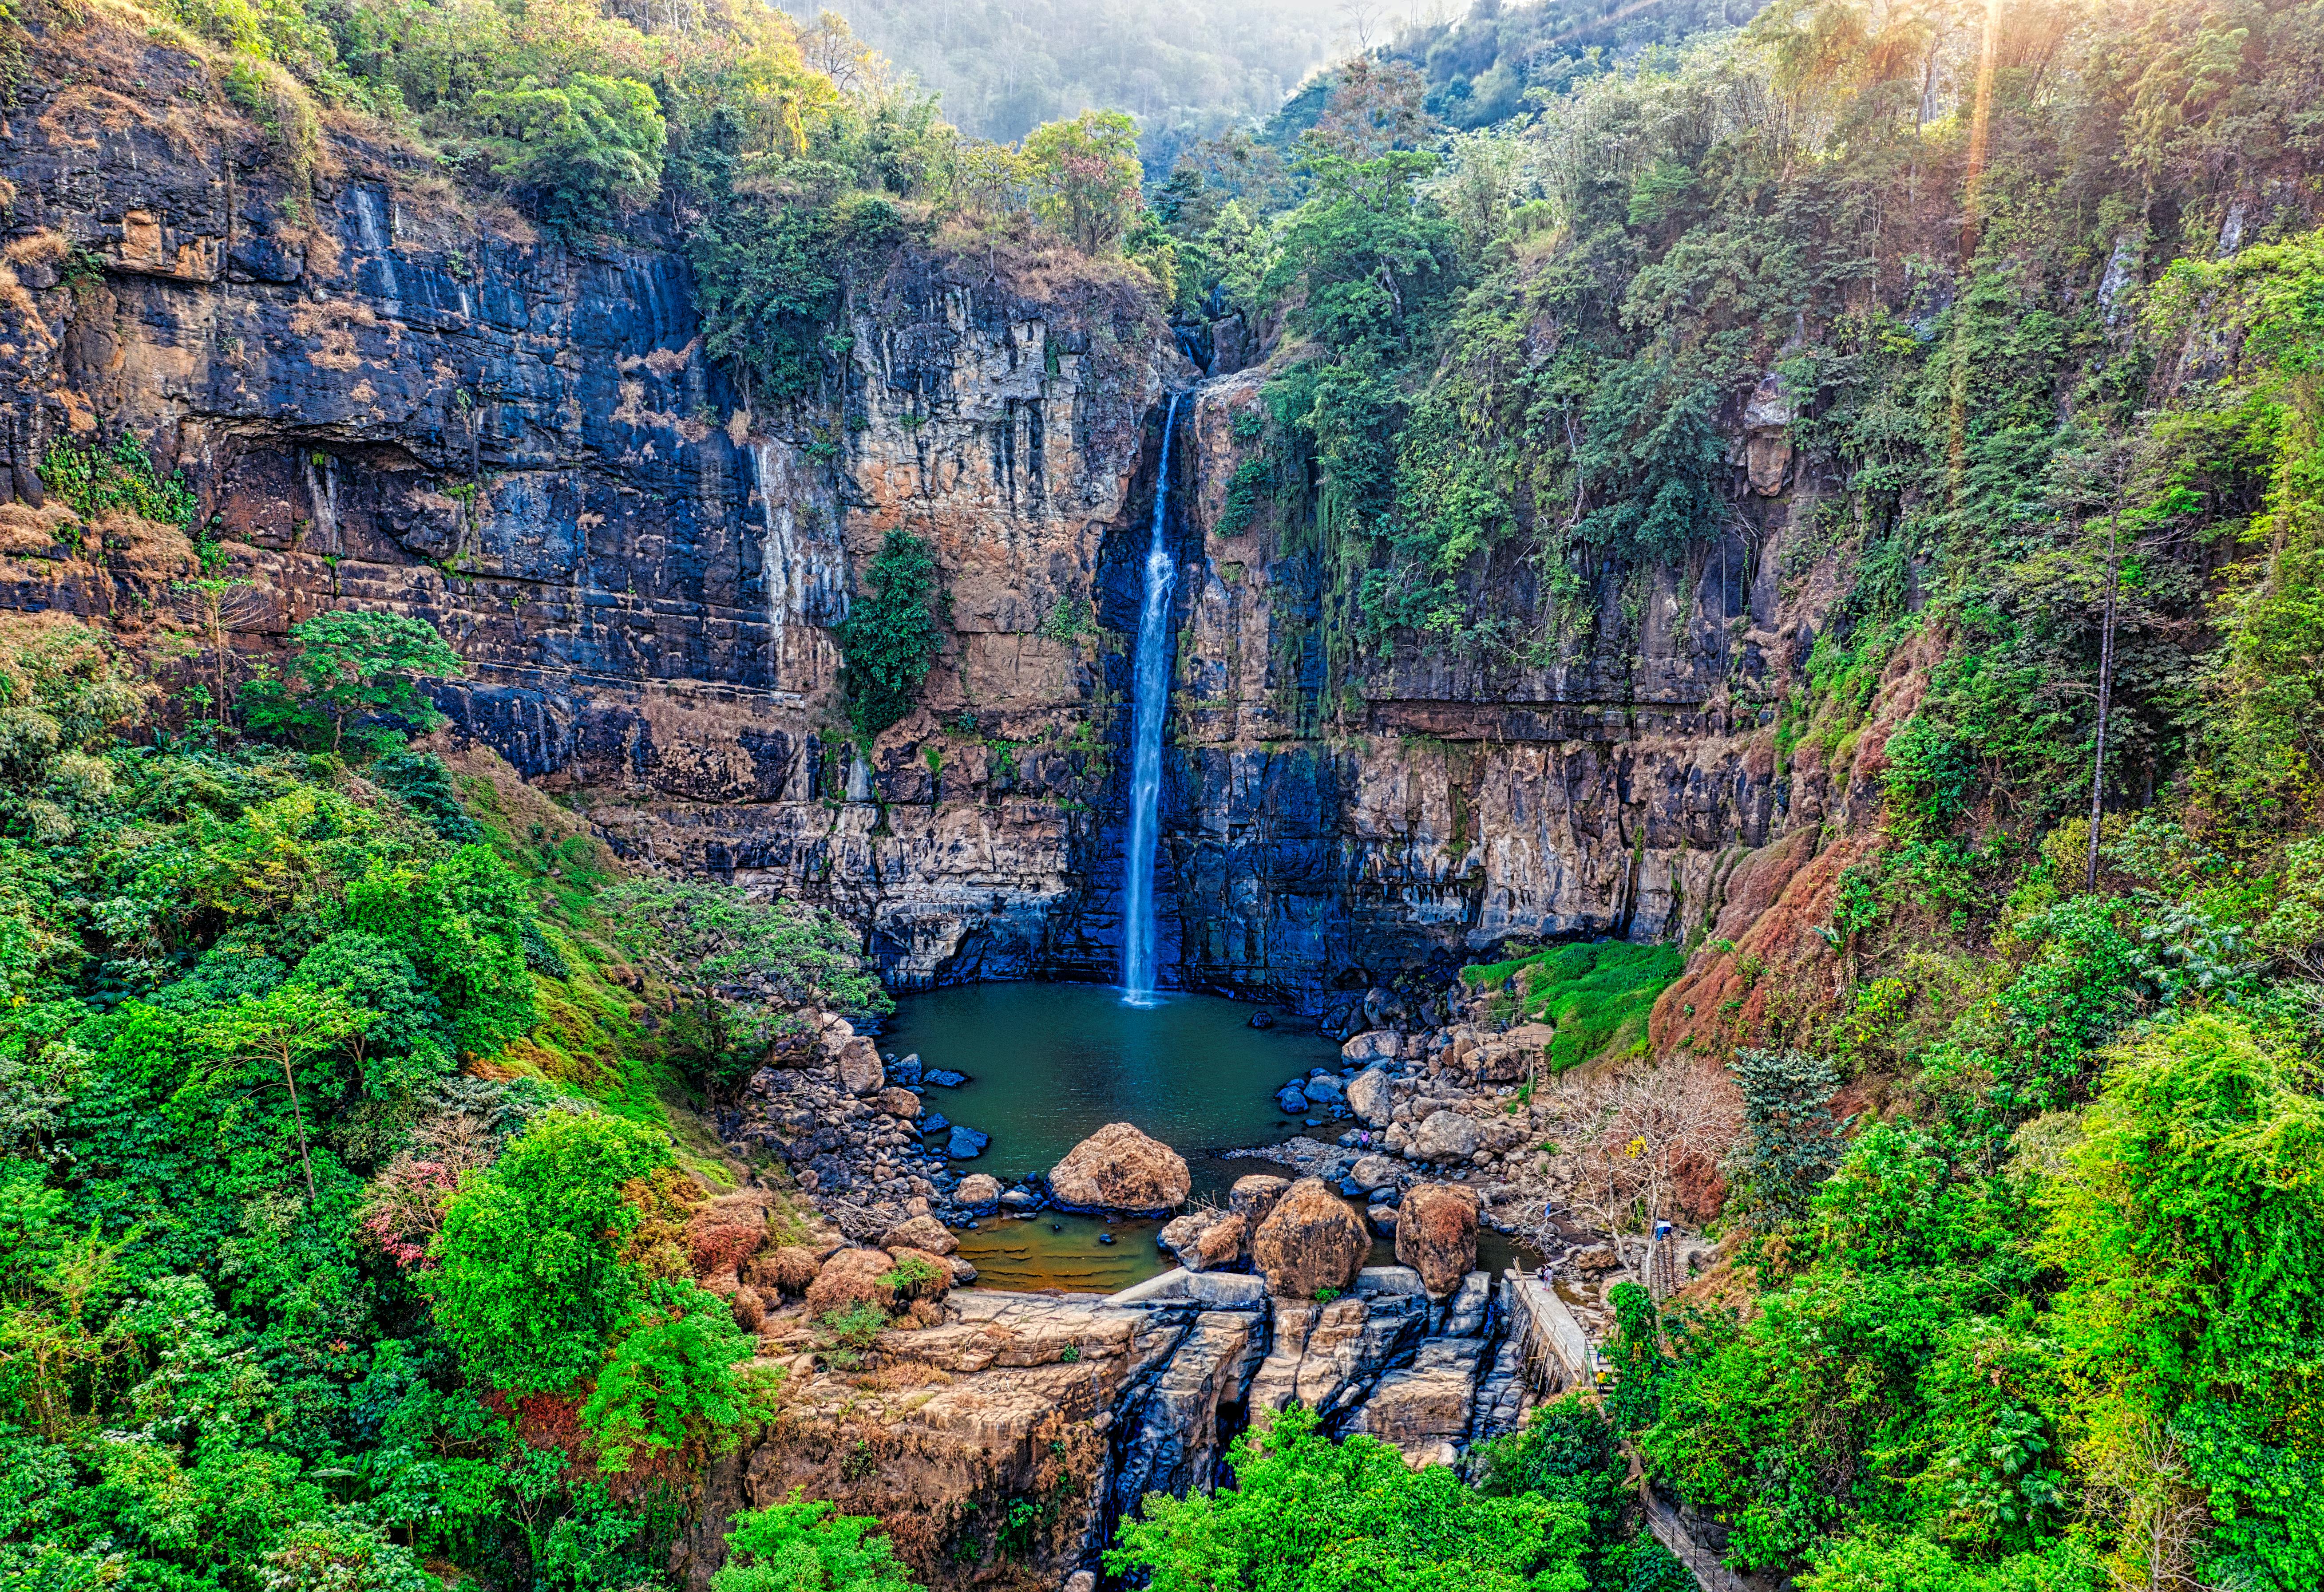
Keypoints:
pixel 362 1221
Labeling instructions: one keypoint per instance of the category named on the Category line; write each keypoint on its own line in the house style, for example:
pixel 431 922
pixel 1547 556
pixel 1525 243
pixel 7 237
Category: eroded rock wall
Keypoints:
pixel 384 400
pixel 1444 802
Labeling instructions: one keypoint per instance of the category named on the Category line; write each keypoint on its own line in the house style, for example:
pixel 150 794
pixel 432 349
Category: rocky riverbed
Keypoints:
pixel 1024 1425
pixel 982 1425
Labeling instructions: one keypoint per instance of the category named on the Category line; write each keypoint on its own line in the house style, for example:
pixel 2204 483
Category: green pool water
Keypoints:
pixel 1050 1064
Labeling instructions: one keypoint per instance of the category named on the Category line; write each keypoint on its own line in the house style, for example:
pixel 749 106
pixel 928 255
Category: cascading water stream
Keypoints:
pixel 1151 683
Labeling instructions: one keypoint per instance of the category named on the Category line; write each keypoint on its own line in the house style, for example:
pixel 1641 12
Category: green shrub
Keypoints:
pixel 844 1337
pixel 672 1374
pixel 889 634
pixel 795 1546
pixel 527 1286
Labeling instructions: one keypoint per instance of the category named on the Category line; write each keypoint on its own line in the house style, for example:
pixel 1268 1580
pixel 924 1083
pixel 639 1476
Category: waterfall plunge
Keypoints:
pixel 1152 684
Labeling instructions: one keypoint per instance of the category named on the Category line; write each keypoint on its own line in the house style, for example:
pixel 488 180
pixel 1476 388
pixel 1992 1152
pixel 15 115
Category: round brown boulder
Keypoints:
pixel 1119 1168
pixel 1437 1236
pixel 850 1278
pixel 978 1188
pixel 1311 1240
pixel 898 1102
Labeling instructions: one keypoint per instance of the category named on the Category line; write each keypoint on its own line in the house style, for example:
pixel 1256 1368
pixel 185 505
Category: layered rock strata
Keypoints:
pixel 388 404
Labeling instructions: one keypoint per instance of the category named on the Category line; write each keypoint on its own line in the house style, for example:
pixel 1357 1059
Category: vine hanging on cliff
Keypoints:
pixel 889 634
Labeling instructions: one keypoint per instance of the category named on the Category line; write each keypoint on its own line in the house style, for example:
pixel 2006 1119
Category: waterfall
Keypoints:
pixel 1152 684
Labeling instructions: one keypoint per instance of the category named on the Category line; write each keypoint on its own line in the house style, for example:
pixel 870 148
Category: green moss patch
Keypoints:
pixel 1598 996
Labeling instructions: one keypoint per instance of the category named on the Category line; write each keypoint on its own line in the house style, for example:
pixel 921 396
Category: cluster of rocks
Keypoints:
pixel 975 1412
pixel 858 1131
pixel 1437 1092
pixel 1308 1241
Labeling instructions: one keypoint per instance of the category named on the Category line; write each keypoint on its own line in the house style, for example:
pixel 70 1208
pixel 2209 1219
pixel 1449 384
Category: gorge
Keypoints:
pixel 742 839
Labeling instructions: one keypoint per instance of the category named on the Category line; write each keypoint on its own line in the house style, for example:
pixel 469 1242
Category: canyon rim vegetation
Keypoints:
pixel 560 558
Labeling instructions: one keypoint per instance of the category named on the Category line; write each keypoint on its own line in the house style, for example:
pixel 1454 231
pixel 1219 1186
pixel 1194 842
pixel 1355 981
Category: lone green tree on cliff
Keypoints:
pixel 1085 175
pixel 348 671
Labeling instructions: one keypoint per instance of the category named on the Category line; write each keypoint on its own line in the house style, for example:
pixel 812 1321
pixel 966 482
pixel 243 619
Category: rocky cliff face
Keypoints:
pixel 383 401
pixel 1451 803
pixel 1011 1433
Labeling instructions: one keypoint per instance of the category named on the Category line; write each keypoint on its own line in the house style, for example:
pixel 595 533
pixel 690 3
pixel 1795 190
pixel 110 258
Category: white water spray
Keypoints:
pixel 1152 685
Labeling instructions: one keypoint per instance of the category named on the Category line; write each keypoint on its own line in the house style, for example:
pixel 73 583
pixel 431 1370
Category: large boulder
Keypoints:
pixel 1374 1172
pixel 1369 1097
pixel 859 1072
pixel 1382 1045
pixel 1291 1101
pixel 977 1189
pixel 920 1232
pixel 1325 1088
pixel 1437 1236
pixel 1253 1197
pixel 1311 1240
pixel 898 1102
pixel 965 1144
pixel 1505 1058
pixel 1445 1135
pixel 1119 1168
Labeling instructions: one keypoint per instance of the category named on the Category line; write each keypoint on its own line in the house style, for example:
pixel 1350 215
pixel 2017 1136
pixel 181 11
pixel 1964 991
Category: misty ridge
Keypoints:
pixel 1189 69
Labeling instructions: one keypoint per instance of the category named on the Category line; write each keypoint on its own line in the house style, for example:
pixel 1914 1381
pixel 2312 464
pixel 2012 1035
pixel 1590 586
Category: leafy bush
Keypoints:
pixel 527 1286
pixel 845 1335
pixel 1309 1514
pixel 671 1375
pixel 797 1546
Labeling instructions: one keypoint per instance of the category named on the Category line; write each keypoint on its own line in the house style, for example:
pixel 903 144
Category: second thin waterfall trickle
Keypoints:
pixel 1151 705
